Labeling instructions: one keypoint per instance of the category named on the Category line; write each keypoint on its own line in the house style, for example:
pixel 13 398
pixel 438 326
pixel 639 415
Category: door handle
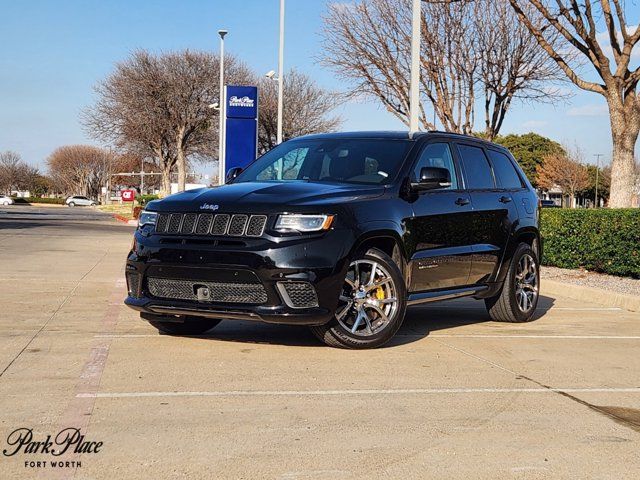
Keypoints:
pixel 505 199
pixel 462 201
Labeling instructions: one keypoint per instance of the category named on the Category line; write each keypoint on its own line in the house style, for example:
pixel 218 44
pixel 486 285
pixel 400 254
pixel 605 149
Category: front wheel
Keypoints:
pixel 71 204
pixel 371 306
pixel 518 298
pixel 190 326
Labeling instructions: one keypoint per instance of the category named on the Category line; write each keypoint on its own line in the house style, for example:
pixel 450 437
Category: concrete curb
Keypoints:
pixel 590 294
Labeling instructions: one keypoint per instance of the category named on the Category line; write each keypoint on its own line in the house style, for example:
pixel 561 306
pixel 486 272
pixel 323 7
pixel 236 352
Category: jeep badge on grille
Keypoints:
pixel 208 206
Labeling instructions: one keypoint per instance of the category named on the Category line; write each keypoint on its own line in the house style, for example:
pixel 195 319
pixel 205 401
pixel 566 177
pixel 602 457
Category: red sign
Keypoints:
pixel 128 195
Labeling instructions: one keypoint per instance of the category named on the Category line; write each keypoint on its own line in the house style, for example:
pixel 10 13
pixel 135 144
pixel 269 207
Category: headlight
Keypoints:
pixel 303 223
pixel 147 218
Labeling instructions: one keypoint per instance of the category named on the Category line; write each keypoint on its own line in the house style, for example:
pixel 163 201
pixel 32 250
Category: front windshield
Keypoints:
pixel 341 160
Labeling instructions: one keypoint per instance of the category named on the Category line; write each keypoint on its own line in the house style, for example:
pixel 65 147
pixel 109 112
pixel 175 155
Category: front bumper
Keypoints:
pixel 319 259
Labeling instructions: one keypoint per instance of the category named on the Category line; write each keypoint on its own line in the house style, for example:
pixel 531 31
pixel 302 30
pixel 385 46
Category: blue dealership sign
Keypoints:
pixel 241 125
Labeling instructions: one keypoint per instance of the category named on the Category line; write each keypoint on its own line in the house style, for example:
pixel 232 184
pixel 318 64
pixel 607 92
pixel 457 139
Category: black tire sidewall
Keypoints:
pixel 522 250
pixel 344 337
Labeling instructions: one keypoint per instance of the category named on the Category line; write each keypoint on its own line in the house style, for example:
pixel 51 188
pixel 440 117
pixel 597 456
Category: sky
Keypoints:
pixel 52 53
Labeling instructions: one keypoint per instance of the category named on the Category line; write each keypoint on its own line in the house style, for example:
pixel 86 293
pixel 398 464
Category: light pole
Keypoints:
pixel 414 88
pixel 221 103
pixel 280 73
pixel 597 155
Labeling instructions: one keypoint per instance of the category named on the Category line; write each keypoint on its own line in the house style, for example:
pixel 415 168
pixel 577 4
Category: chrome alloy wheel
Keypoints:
pixel 526 283
pixel 369 299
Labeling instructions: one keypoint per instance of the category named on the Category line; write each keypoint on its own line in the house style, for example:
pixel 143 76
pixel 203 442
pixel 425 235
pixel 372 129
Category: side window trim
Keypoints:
pixel 493 174
pixel 454 158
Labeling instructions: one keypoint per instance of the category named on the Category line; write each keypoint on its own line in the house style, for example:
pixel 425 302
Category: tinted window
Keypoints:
pixel 477 170
pixel 437 155
pixel 505 171
pixel 343 160
pixel 286 167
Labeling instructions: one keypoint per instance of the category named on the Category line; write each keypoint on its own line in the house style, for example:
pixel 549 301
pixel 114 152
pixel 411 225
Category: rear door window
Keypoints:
pixel 477 170
pixel 506 174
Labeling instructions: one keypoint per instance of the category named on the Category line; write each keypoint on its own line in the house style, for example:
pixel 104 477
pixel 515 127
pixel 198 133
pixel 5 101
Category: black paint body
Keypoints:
pixel 449 242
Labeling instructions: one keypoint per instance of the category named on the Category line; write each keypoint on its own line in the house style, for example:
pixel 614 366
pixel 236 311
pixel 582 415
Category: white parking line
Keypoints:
pixel 316 393
pixel 578 337
pixel 437 335
pixel 481 307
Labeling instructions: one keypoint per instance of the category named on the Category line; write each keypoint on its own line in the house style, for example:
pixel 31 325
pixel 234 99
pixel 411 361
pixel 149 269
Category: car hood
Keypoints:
pixel 265 197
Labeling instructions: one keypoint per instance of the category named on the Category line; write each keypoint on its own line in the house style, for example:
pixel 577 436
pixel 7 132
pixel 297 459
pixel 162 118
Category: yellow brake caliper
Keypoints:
pixel 379 293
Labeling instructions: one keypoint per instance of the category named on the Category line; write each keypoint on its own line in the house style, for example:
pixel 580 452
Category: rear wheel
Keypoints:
pixel 372 304
pixel 518 298
pixel 5 203
pixel 190 326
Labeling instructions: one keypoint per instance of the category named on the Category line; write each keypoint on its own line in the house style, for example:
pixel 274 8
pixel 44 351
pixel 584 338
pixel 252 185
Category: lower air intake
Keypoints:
pixel 253 293
pixel 133 284
pixel 298 294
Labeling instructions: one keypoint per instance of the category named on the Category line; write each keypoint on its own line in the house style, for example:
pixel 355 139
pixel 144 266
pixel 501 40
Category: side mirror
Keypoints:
pixel 232 174
pixel 432 178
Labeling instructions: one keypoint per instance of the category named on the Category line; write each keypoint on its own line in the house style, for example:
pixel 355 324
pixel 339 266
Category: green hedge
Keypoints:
pixel 602 240
pixel 26 200
pixel 144 199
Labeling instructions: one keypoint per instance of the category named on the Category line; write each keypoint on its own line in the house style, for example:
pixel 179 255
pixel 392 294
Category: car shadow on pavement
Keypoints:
pixel 419 322
pixel 422 320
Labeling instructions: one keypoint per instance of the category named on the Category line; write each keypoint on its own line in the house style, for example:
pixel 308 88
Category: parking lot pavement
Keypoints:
pixel 453 396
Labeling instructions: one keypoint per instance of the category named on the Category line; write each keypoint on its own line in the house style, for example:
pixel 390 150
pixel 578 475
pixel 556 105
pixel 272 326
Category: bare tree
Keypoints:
pixel 15 173
pixel 158 106
pixel 564 171
pixel 80 169
pixel 511 65
pixel 306 109
pixel 609 56
pixel 468 49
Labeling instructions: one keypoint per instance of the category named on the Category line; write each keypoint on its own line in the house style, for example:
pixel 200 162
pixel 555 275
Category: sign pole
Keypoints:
pixel 414 95
pixel 280 75
pixel 221 103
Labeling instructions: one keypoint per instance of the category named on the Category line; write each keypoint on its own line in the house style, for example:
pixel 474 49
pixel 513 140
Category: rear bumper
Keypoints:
pixel 319 260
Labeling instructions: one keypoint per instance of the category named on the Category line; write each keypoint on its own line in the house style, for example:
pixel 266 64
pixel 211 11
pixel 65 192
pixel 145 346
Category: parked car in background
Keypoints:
pixel 549 204
pixel 4 200
pixel 79 200
pixel 341 232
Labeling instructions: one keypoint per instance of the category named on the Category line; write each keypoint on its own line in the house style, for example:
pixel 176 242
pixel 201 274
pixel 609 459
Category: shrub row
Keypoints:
pixel 602 240
pixel 144 199
pixel 24 200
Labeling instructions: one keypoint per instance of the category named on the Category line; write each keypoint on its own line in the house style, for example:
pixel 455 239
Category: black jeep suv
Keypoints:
pixel 342 232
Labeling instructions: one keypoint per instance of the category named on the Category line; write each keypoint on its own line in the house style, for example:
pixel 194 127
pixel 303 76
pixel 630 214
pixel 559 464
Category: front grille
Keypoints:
pixel 256 225
pixel 237 225
pixel 175 219
pixel 298 294
pixel 220 224
pixel 253 293
pixel 133 283
pixel 188 223
pixel 204 224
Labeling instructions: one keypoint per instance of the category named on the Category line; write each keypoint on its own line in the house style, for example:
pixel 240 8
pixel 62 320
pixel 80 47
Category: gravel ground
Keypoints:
pixel 629 286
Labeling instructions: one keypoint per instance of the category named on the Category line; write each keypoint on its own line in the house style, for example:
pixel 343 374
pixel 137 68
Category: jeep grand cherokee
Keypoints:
pixel 341 232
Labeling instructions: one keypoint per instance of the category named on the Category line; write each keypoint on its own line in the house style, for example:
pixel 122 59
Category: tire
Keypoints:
pixel 508 305
pixel 190 326
pixel 6 204
pixel 382 316
pixel 71 204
